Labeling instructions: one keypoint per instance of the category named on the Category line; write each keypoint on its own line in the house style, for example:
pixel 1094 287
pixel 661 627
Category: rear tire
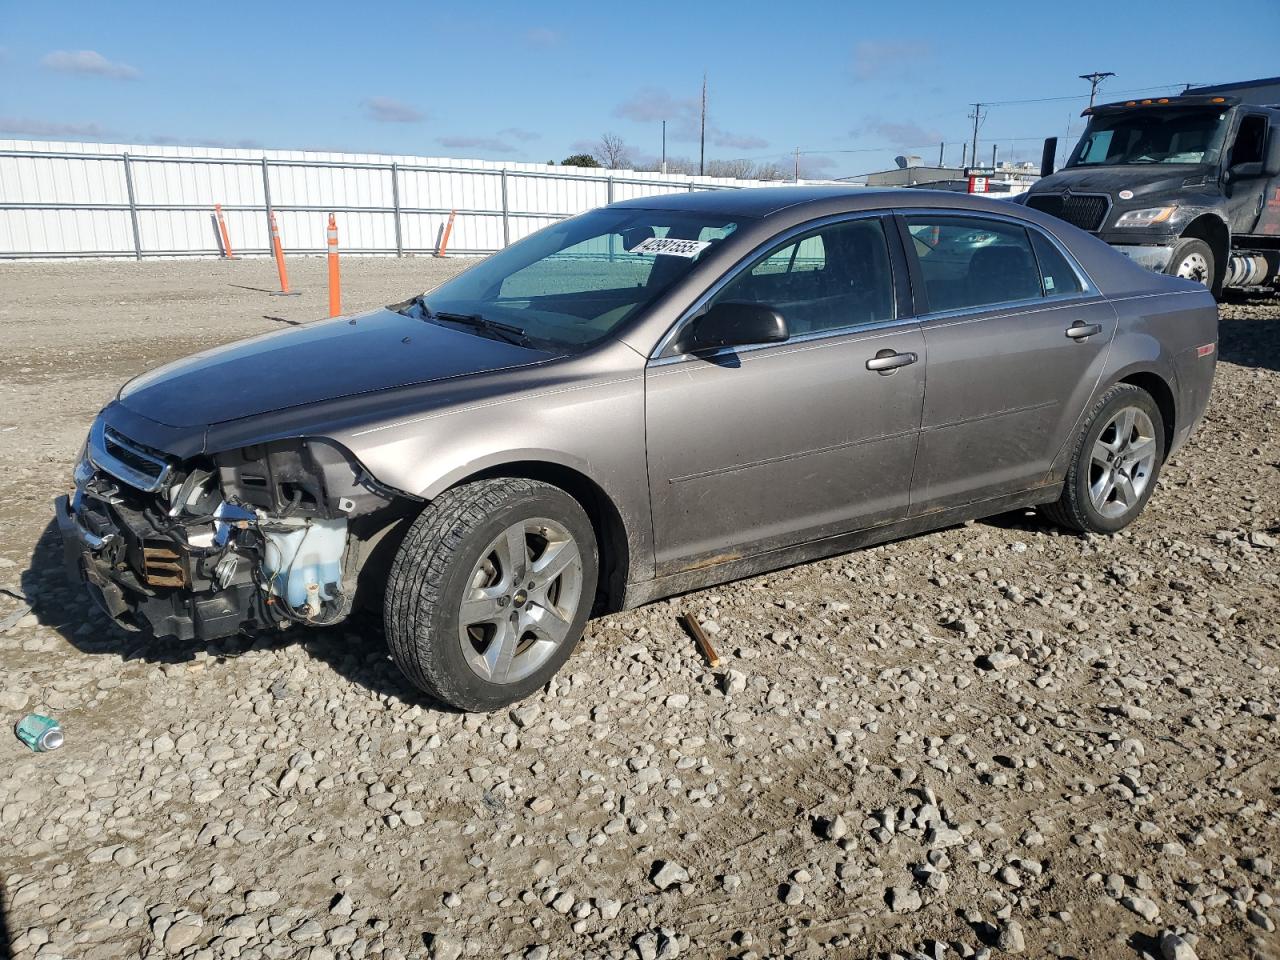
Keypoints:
pixel 490 591
pixel 1115 463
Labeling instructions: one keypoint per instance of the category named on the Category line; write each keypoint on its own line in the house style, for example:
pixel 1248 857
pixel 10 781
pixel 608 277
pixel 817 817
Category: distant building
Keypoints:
pixel 1007 179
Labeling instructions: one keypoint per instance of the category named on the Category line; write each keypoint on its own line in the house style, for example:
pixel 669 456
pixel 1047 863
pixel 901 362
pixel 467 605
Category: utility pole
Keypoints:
pixel 1094 79
pixel 702 140
pixel 976 116
pixel 664 146
pixel 797 164
pixel 941 148
pixel 993 156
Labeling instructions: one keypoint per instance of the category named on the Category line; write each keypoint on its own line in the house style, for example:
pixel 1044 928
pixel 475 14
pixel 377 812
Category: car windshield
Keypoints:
pixel 574 283
pixel 1151 136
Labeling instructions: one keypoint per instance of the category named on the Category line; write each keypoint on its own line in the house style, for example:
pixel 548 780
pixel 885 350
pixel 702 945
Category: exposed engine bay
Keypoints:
pixel 260 537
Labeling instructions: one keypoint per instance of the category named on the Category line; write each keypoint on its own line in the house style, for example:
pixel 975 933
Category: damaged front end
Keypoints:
pixel 250 539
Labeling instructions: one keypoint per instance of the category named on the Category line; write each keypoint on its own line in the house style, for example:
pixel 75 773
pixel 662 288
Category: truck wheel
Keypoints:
pixel 1193 259
pixel 1115 463
pixel 490 591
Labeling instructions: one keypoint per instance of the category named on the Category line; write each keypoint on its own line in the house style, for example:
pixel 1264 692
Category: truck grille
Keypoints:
pixel 1084 210
pixel 135 464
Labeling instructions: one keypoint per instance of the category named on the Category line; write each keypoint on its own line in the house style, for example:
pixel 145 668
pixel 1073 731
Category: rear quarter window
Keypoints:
pixel 1056 274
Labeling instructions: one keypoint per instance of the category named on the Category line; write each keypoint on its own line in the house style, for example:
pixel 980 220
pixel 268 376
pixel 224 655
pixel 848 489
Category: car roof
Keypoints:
pixel 760 202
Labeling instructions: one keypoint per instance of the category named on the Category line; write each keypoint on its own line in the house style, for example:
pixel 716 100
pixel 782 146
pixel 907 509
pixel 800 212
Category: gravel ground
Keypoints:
pixel 995 739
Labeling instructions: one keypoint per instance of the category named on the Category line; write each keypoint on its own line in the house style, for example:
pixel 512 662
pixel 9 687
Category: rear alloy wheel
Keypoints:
pixel 490 591
pixel 1115 463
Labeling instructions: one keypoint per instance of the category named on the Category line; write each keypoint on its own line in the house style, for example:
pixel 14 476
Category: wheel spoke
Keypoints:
pixel 501 650
pixel 555 559
pixel 1101 489
pixel 513 550
pixel 481 607
pixel 1142 448
pixel 1125 491
pixel 546 623
pixel 1124 428
pixel 1102 454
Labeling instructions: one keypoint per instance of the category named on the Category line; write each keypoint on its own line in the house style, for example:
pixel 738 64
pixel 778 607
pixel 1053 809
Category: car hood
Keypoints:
pixel 312 363
pixel 1142 179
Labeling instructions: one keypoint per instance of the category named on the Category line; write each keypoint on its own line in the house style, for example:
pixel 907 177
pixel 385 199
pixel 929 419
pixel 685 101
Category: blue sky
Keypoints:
pixel 851 84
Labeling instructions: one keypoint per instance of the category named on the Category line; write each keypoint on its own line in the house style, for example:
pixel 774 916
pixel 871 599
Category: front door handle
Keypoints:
pixel 887 361
pixel 1082 331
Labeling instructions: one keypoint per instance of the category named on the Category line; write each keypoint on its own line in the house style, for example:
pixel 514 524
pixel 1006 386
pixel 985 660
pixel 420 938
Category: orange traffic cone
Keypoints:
pixel 278 250
pixel 222 230
pixel 335 281
pixel 444 238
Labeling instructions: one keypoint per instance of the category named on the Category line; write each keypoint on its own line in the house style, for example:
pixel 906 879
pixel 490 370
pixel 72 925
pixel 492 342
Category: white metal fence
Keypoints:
pixel 116 200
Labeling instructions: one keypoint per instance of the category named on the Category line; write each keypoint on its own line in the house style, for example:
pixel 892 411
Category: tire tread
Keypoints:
pixel 416 577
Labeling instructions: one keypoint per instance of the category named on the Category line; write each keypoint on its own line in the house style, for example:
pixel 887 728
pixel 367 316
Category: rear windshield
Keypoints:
pixel 576 282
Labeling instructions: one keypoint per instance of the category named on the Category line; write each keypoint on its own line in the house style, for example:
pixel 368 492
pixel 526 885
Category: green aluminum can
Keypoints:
pixel 39 732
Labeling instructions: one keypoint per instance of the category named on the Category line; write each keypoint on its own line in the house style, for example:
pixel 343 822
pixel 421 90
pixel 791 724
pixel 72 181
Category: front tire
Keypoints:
pixel 490 591
pixel 1115 464
pixel 1193 259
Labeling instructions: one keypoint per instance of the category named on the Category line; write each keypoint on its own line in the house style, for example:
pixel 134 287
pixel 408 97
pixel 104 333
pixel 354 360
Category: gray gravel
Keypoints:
pixel 992 740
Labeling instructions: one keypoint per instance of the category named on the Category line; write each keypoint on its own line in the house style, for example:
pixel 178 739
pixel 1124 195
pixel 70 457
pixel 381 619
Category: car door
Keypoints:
pixel 1015 337
pixel 754 449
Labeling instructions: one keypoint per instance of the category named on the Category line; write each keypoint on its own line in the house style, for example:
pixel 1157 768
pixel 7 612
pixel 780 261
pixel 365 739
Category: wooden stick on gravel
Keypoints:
pixel 700 638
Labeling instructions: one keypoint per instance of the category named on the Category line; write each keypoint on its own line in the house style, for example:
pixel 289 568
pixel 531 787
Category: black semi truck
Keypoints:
pixel 1187 185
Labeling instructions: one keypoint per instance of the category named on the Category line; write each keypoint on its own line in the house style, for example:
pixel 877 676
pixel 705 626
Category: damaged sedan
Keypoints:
pixel 646 399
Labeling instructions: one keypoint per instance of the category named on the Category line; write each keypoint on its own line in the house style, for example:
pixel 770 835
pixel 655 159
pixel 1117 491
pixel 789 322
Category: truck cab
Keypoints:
pixel 1186 185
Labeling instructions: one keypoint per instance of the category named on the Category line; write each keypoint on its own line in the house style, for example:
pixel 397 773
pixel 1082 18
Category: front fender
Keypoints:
pixel 593 427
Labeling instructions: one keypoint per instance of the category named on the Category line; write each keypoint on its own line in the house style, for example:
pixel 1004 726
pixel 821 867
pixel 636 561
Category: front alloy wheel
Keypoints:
pixel 490 590
pixel 521 600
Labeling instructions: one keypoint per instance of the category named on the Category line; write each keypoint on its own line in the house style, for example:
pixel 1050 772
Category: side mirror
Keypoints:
pixel 1047 155
pixel 1244 171
pixel 735 323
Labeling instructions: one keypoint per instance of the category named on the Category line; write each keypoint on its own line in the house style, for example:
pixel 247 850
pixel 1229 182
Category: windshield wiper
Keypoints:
pixel 505 331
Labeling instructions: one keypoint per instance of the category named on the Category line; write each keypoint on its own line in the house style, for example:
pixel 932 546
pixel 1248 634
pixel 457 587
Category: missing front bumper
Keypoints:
pixel 89 560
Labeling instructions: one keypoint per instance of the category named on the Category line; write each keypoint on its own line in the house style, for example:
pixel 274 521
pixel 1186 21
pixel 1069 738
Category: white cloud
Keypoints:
pixel 519 134
pixel 905 134
pixel 89 62
pixel 51 128
pixel 684 119
pixel 875 58
pixel 389 110
pixel 488 144
pixel 542 37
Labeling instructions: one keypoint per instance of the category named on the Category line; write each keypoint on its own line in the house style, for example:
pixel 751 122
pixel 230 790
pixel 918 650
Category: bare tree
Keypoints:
pixel 771 171
pixel 734 169
pixel 612 151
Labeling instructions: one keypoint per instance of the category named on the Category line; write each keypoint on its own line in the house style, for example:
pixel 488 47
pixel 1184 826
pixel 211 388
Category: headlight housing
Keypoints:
pixel 1146 217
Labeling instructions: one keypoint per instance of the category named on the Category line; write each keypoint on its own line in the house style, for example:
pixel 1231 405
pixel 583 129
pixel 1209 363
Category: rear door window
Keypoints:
pixel 973 262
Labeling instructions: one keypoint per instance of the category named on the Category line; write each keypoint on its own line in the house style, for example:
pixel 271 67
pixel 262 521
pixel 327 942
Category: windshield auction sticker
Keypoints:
pixel 671 247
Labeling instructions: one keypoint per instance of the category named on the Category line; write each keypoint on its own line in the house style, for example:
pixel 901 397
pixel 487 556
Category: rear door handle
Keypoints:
pixel 887 361
pixel 1082 331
